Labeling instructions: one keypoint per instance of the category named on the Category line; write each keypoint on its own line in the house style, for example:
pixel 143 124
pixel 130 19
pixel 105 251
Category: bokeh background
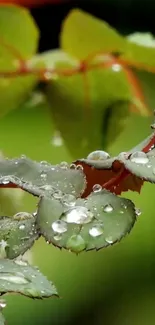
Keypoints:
pixel 115 286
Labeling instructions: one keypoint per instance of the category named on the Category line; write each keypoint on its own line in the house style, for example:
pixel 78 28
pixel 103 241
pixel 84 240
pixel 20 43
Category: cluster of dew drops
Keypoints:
pixel 81 215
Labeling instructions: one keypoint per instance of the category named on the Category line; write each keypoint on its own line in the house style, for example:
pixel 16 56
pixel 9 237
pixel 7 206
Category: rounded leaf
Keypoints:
pixel 100 220
pixel 19 277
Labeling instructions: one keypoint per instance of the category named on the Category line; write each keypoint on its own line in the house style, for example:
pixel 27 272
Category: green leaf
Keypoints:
pixel 2 319
pixel 82 34
pixel 19 277
pixel 100 220
pixel 16 45
pixel 24 39
pixel 90 103
pixel 141 164
pixel 17 234
pixel 140 50
pixel 42 178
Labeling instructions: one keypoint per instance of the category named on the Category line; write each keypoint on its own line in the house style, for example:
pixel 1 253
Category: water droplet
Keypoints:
pixel 59 226
pixel 3 244
pixel 69 200
pixel 139 157
pixel 109 240
pixel 57 237
pixel 97 188
pixel 116 67
pixel 57 140
pixel 72 166
pixel 43 175
pixel 108 208
pixel 64 165
pixel 79 167
pixel 78 215
pixel 23 157
pixel 96 231
pixel 76 243
pixel 57 194
pixel 44 162
pixel 16 278
pixel 22 216
pixel 123 155
pixel 98 155
pixel 5 180
pixel 138 212
pixel 47 188
pixel 21 262
pixel 22 227
pixel 2 304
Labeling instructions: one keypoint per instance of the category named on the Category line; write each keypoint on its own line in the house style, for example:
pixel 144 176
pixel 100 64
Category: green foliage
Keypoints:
pixel 89 87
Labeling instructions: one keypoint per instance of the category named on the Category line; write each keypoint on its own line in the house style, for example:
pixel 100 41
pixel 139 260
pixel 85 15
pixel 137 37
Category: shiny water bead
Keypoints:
pixel 138 212
pixel 59 226
pixel 116 67
pixel 79 167
pixel 57 194
pixel 64 165
pixel 78 215
pixel 96 230
pixel 69 200
pixel 22 216
pixel 98 155
pixel 139 157
pixel 97 188
pixel 108 208
pixel 2 304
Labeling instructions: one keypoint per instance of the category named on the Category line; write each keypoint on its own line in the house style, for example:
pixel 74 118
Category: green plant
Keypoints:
pixel 90 84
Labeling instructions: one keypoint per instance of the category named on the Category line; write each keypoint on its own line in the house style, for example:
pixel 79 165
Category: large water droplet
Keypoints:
pixel 96 230
pixel 139 157
pixel 16 278
pixel 59 226
pixel 97 188
pixel 109 240
pixel 116 67
pixel 5 180
pixel 108 208
pixel 69 200
pixel 98 155
pixel 76 243
pixel 78 215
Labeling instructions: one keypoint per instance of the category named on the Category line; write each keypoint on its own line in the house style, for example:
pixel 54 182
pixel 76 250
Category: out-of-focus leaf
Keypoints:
pixel 84 108
pixel 18 276
pixel 140 50
pixel 17 234
pixel 16 45
pixel 23 39
pixel 82 34
pixel 2 319
pixel 41 178
pixel 99 221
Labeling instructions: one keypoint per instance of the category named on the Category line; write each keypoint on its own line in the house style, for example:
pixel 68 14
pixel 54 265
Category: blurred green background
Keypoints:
pixel 115 286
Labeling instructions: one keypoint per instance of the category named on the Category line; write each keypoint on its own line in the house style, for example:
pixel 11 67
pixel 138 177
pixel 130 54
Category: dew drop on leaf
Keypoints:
pixel 109 240
pixel 58 194
pixel 138 212
pixel 57 237
pixel 69 200
pixel 76 243
pixel 97 188
pixel 64 165
pixel 116 67
pixel 21 262
pixel 79 167
pixel 98 155
pixel 96 230
pixel 108 208
pixel 78 215
pixel 22 227
pixel 59 226
pixel 139 157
